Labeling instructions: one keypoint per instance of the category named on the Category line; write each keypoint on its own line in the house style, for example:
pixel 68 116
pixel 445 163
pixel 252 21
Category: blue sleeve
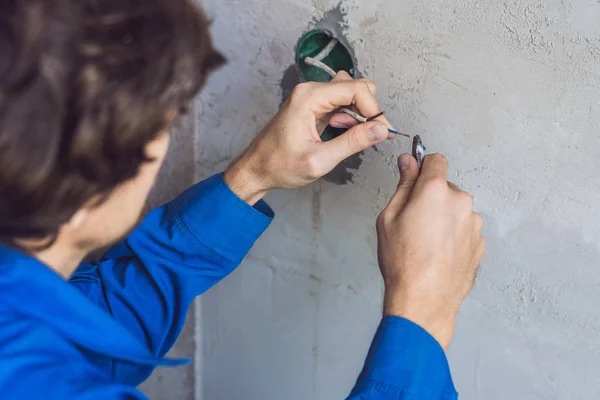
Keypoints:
pixel 178 252
pixel 404 363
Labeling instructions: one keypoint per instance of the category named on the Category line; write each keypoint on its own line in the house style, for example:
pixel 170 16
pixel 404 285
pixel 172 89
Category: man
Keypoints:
pixel 88 90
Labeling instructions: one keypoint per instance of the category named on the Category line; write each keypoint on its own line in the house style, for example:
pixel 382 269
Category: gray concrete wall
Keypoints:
pixel 509 91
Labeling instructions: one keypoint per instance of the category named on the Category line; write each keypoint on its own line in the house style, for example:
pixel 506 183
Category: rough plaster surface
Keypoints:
pixel 509 92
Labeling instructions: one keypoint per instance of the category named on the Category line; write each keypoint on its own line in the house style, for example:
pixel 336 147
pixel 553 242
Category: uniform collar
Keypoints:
pixel 35 290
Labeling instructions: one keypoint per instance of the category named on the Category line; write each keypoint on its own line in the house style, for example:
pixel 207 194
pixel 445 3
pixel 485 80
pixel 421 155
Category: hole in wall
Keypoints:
pixel 320 32
pixel 312 44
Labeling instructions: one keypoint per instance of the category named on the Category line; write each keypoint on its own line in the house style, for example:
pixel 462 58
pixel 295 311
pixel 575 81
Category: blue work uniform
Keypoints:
pixel 103 333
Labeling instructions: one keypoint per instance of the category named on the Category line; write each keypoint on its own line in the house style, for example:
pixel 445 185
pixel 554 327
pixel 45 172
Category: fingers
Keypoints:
pixel 409 171
pixel 435 167
pixel 355 140
pixel 337 122
pixel 324 98
pixel 321 99
pixel 360 93
pixel 342 76
pixel 343 120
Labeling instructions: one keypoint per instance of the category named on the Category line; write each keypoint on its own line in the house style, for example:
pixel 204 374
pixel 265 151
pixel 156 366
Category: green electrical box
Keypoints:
pixel 311 44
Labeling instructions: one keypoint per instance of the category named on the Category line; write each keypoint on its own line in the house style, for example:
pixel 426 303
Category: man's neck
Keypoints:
pixel 61 258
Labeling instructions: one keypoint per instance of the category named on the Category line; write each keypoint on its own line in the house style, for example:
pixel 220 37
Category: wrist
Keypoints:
pixel 439 323
pixel 245 180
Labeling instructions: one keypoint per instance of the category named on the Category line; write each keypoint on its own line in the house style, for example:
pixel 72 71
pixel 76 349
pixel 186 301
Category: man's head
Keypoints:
pixel 88 89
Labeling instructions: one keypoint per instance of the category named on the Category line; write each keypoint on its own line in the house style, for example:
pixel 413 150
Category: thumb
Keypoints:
pixel 409 171
pixel 355 140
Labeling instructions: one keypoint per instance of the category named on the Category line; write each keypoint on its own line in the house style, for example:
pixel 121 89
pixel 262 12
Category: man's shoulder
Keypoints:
pixel 25 341
pixel 37 362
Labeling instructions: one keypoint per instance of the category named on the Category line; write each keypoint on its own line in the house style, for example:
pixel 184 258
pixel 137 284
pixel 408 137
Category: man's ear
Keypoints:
pixel 76 221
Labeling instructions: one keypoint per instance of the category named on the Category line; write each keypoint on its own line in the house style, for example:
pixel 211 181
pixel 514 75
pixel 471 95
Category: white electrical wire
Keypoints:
pixel 353 114
pixel 317 61
pixel 326 50
pixel 319 64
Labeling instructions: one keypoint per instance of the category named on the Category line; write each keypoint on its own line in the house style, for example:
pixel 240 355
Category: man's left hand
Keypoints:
pixel 289 153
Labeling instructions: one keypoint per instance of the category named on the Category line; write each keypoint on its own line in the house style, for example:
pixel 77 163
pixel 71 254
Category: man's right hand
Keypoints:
pixel 430 247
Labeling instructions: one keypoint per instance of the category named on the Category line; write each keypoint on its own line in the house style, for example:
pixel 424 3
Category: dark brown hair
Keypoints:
pixel 84 86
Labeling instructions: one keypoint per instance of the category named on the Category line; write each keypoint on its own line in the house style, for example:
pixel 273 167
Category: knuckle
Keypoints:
pixel 406 184
pixel 466 200
pixel 381 221
pixel 478 221
pixel 384 220
pixel 342 76
pixel 481 249
pixel 301 91
pixel 436 184
pixel 438 159
pixel 311 166
pixel 354 141
pixel 371 87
